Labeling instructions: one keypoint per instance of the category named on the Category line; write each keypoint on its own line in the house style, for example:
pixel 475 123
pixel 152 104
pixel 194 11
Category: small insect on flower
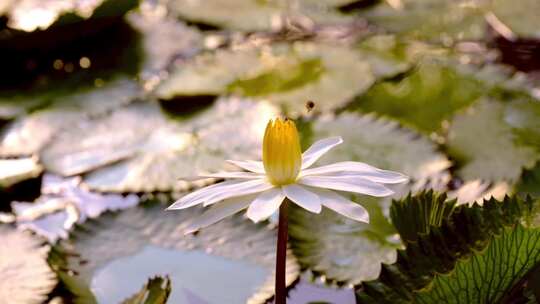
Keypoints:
pixel 285 172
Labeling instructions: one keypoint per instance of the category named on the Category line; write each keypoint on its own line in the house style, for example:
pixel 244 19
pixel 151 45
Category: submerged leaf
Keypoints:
pixel 140 149
pixel 26 276
pixel 152 243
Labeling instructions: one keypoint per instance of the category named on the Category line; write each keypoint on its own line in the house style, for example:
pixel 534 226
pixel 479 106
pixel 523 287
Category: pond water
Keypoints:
pixel 196 277
pixel 199 278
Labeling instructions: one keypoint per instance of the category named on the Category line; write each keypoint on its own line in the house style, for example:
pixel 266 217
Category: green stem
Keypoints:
pixel 281 254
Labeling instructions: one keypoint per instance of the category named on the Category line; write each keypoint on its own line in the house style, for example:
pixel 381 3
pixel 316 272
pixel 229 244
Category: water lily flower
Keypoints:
pixel 285 172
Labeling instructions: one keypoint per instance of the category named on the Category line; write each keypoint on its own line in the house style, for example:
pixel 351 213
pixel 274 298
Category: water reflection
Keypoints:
pixel 194 275
pixel 305 292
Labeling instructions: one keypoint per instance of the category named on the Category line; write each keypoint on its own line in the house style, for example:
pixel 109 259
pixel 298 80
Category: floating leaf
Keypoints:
pixel 386 55
pixel 349 251
pixel 288 75
pixel 28 134
pixel 459 239
pixel 13 171
pixel 26 276
pixel 336 247
pixel 476 191
pixel 132 245
pixel 521 19
pixel 63 204
pixel 430 19
pixel 140 149
pixel 31 15
pixel 489 277
pixel 413 216
pixel 384 144
pixel 155 291
pixel 163 40
pixel 246 15
pixel 425 98
pixel 529 183
pixel 491 141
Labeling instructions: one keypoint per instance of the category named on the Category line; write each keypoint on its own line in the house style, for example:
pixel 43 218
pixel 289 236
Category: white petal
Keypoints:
pixel 265 204
pixel 218 212
pixel 250 165
pixel 240 189
pixel 346 183
pixel 192 199
pixel 341 205
pixel 318 149
pixel 360 170
pixel 303 198
pixel 247 175
pixel 221 191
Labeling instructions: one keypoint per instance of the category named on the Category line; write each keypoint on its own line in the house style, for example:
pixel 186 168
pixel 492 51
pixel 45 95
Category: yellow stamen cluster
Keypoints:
pixel 282 156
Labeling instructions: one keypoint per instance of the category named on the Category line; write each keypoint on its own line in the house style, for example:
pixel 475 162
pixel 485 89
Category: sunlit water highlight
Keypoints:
pixel 194 275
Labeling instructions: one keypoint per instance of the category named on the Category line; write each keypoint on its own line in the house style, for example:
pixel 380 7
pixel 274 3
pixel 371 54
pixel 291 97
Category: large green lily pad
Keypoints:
pixel 437 20
pixel 424 99
pixel 288 75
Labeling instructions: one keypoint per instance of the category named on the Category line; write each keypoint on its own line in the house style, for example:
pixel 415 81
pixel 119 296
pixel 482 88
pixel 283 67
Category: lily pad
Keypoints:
pixel 424 99
pixel 521 19
pixel 163 40
pixel 247 15
pixel 387 55
pixel 155 291
pixel 476 191
pixel 26 276
pixel 13 171
pixel 288 75
pixel 28 134
pixel 140 149
pixel 31 15
pixel 152 243
pixel 436 20
pixel 351 252
pixel 529 183
pixel 63 204
pixel 340 249
pixel 491 141
pixel 384 144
